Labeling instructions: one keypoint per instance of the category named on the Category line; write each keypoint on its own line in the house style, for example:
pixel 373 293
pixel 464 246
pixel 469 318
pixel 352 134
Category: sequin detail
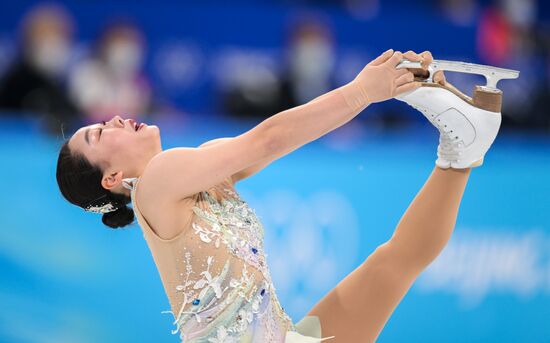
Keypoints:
pixel 224 291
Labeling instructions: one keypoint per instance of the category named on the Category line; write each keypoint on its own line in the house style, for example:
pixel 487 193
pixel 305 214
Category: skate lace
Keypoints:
pixel 450 145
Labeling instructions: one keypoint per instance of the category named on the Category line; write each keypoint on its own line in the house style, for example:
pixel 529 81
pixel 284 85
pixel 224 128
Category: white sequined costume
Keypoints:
pixel 216 276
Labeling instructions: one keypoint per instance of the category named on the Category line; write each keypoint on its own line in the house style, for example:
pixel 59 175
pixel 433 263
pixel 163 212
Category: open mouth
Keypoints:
pixel 137 126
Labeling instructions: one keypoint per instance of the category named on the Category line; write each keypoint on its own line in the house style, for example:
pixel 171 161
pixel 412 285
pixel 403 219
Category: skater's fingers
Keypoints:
pixel 394 60
pixel 402 72
pixel 428 58
pixel 413 56
pixel 382 58
pixel 407 87
pixel 401 80
pixel 439 77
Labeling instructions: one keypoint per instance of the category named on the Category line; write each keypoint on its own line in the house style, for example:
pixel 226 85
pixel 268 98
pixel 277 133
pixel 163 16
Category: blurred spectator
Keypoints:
pixel 35 81
pixel 249 83
pixel 310 64
pixel 111 80
pixel 494 36
pixel 308 73
pixel 508 37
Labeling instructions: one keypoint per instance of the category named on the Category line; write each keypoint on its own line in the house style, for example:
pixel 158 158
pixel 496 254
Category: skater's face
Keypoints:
pixel 117 145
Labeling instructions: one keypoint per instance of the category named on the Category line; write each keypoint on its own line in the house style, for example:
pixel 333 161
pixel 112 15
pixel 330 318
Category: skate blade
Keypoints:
pixel 492 74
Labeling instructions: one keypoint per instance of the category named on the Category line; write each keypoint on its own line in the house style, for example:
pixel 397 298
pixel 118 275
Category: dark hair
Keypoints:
pixel 80 183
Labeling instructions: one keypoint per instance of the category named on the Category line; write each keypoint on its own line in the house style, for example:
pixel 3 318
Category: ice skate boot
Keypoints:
pixel 467 126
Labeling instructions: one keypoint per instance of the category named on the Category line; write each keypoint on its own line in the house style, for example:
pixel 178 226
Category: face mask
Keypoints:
pixel 50 55
pixel 124 58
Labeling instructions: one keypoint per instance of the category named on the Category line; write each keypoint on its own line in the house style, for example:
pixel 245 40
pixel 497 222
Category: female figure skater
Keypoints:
pixel 207 243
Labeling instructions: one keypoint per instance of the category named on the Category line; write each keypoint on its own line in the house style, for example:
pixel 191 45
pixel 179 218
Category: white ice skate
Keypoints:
pixel 467 126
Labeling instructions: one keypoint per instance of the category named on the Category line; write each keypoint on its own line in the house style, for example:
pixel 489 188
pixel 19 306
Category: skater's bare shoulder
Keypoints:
pixel 180 172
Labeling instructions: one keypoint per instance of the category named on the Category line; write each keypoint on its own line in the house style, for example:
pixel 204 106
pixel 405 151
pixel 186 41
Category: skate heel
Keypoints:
pixel 489 99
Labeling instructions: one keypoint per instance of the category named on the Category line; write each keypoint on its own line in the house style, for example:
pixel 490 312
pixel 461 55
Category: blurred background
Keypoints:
pixel 205 70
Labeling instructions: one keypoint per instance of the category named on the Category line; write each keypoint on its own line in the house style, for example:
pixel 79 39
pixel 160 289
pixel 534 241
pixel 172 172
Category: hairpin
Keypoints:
pixel 102 207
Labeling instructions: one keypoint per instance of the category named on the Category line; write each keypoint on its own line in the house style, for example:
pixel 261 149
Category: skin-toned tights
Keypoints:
pixel 357 309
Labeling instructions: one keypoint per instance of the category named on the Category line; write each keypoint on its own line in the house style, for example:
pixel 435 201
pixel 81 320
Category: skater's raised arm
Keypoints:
pixel 300 125
pixel 185 171
pixel 378 81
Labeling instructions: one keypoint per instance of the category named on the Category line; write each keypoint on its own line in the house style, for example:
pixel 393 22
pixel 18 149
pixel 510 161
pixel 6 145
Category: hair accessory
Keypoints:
pixel 98 206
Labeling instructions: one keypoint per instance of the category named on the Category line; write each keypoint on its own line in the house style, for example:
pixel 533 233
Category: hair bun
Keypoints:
pixel 119 218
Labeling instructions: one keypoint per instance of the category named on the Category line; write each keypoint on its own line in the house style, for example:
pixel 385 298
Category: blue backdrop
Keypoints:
pixel 325 207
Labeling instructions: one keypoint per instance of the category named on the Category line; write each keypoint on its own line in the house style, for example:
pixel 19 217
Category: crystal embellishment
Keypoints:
pixel 223 281
pixel 105 208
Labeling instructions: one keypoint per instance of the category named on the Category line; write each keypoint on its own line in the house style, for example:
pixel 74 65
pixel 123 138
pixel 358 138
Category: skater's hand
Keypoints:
pixel 380 80
pixel 425 58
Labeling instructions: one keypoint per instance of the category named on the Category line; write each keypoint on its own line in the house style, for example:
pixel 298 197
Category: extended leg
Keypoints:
pixel 357 309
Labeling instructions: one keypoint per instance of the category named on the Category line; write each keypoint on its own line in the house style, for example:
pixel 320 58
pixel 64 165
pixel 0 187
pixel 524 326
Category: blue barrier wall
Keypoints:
pixel 325 208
